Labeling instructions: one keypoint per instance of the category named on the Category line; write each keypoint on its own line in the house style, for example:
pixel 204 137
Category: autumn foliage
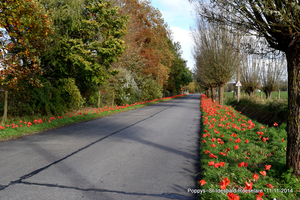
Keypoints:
pixel 28 25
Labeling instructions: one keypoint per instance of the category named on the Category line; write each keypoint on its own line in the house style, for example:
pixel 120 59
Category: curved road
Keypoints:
pixel 147 153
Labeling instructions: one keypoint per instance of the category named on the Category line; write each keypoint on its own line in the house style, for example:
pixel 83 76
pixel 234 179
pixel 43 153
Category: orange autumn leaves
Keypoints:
pixel 28 25
pixel 214 114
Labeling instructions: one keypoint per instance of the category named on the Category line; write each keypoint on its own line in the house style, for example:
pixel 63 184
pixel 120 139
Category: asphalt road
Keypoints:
pixel 147 153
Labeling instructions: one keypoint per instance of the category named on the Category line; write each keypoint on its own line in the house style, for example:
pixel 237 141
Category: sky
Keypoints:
pixel 178 15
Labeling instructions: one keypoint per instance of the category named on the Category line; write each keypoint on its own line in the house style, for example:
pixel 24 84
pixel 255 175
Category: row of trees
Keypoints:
pixel 278 23
pixel 216 55
pixel 60 54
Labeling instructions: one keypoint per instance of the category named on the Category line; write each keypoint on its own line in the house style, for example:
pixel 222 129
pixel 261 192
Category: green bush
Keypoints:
pixel 70 93
pixel 47 100
pixel 150 90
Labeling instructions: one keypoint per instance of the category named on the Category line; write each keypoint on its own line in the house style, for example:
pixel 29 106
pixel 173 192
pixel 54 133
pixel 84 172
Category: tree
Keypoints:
pixel 179 74
pixel 272 74
pixel 148 37
pixel 28 25
pixel 87 40
pixel 278 22
pixel 250 73
pixel 221 56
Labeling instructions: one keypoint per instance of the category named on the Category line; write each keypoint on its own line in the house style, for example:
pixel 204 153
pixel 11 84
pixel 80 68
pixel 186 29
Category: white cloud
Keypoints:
pixel 175 9
pixel 178 15
pixel 184 38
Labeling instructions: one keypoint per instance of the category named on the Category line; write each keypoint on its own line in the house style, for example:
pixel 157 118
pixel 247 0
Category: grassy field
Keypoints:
pixel 28 125
pixel 283 94
pixel 239 155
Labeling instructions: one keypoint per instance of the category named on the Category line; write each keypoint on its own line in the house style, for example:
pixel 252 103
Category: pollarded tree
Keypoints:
pixel 220 51
pixel 250 73
pixel 279 23
pixel 273 74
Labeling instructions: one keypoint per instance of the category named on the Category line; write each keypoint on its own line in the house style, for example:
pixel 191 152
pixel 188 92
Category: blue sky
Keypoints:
pixel 178 14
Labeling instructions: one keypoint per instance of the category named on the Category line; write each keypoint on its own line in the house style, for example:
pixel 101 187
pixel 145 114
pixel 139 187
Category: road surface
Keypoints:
pixel 147 153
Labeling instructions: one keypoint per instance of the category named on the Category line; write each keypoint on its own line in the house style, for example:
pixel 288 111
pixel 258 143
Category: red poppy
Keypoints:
pixel 246 141
pixel 236 147
pixel 275 124
pixel 222 135
pixel 206 152
pixel 224 183
pixel 213 139
pixel 248 186
pixel 237 140
pixel 241 164
pixel 267 167
pixel 258 197
pixel 202 182
pixel 264 173
pixel 213 145
pixel 217 165
pixel 282 140
pixel 269 185
pixel 232 196
pixel 211 163
pixel 203 141
pixel 255 176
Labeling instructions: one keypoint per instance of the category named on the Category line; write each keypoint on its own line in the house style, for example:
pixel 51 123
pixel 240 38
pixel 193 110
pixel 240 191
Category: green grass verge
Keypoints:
pixel 283 94
pixel 28 125
pixel 249 142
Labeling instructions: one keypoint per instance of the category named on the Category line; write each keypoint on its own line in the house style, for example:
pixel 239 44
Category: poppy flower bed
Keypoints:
pixel 243 159
pixel 29 125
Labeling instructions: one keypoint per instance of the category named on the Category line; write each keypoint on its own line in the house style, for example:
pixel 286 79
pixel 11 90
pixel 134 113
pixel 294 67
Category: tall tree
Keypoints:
pixel 148 36
pixel 179 74
pixel 220 51
pixel 87 40
pixel 28 25
pixel 278 22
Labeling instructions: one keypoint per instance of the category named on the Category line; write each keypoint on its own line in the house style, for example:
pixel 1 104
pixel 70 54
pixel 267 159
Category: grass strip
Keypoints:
pixel 29 125
pixel 241 158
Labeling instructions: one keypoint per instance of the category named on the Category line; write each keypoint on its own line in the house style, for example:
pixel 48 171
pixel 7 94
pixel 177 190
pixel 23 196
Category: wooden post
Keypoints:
pixel 278 94
pixel 4 118
pixel 99 99
pixel 112 102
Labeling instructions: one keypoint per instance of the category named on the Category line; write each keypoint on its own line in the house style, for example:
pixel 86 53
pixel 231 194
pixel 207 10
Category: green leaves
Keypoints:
pixel 85 45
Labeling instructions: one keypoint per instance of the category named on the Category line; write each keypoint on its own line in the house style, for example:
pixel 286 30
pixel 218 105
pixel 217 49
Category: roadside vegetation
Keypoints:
pixel 84 54
pixel 238 153
pixel 28 125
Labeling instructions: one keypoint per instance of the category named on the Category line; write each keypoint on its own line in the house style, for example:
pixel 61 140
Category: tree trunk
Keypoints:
pixel 278 94
pixel 213 95
pixel 99 99
pixel 293 122
pixel 261 94
pixel 4 118
pixel 268 94
pixel 221 96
